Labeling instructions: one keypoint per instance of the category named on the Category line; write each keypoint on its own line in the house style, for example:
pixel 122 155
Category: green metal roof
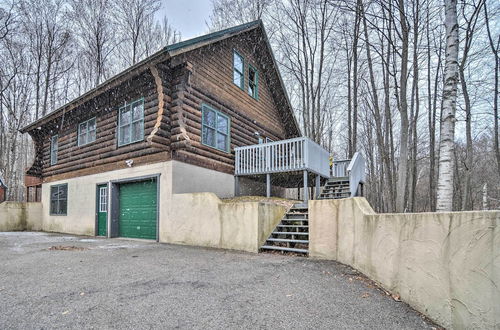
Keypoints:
pixel 212 36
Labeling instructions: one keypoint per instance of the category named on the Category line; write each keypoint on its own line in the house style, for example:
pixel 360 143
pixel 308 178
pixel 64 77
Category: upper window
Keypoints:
pixel 131 123
pixel 59 199
pixel 238 70
pixel 86 132
pixel 53 150
pixel 253 82
pixel 215 128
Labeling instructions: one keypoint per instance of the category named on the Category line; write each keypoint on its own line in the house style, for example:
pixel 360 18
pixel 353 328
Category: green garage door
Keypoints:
pixel 138 209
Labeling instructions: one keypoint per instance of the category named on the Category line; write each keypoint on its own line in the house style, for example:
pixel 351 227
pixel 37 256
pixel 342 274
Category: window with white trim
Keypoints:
pixel 215 128
pixel 103 199
pixel 86 132
pixel 131 123
pixel 53 149
pixel 238 70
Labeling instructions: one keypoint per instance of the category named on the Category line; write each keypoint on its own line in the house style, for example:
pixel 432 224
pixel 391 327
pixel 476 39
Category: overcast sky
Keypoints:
pixel 187 16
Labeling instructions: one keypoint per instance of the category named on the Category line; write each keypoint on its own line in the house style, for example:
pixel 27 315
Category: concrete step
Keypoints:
pixel 293 226
pixel 288 240
pixel 295 220
pixel 296 216
pixel 282 248
pixel 291 233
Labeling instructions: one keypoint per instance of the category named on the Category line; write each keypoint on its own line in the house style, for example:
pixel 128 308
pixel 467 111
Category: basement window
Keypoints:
pixel 215 128
pixel 59 199
pixel 53 149
pixel 238 70
pixel 131 123
pixel 86 132
pixel 253 82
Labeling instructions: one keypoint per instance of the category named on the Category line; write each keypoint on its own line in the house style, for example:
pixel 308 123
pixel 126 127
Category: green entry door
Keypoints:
pixel 102 210
pixel 138 209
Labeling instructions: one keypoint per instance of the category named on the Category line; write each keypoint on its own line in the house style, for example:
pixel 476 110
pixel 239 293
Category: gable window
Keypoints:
pixel 131 123
pixel 238 70
pixel 86 132
pixel 53 150
pixel 253 82
pixel 59 199
pixel 215 128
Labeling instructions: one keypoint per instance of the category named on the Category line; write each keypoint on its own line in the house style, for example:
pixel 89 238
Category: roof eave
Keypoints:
pixel 137 68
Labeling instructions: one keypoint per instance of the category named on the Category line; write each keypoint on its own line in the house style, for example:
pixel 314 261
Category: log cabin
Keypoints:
pixel 184 120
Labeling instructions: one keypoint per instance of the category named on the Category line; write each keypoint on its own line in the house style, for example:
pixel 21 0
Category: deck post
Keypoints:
pixel 316 195
pixel 268 185
pixel 306 189
pixel 236 186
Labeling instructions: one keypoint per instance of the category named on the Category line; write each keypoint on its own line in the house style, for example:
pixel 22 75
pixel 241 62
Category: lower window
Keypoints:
pixel 59 199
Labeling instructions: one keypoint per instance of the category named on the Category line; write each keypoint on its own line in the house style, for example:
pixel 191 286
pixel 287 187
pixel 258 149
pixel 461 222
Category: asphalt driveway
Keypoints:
pixel 128 284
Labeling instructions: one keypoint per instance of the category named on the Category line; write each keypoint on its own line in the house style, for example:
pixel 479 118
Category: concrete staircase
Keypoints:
pixel 292 233
pixel 336 188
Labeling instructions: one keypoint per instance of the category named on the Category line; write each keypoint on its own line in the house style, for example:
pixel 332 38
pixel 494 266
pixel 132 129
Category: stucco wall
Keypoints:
pixel 202 219
pixel 16 216
pixel 80 218
pixel 446 265
pixel 187 178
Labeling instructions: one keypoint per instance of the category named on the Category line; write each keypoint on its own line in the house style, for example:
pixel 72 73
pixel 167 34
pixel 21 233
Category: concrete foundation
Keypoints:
pixel 445 265
pixel 202 219
pixel 16 216
pixel 193 218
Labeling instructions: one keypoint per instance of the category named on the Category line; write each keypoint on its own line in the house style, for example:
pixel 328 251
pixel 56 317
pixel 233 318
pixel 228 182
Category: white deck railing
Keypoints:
pixel 356 172
pixel 282 156
pixel 339 168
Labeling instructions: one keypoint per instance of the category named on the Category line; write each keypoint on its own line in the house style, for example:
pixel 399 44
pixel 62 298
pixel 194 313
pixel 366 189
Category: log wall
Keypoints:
pixel 206 76
pixel 104 150
pixel 200 76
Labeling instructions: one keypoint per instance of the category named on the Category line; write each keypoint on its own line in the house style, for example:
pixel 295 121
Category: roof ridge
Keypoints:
pixel 212 35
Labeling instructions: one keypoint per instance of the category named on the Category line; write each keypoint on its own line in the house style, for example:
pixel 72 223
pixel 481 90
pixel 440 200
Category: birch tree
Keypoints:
pixel 447 131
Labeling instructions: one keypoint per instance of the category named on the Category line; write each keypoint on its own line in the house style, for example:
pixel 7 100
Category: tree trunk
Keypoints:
pixel 494 49
pixel 403 109
pixel 354 138
pixel 444 200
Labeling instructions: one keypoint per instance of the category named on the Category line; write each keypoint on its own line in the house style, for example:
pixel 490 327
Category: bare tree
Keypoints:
pixel 306 58
pixel 131 18
pixel 447 137
pixel 470 28
pixel 403 110
pixel 227 13
pixel 495 47
pixel 158 35
pixel 92 25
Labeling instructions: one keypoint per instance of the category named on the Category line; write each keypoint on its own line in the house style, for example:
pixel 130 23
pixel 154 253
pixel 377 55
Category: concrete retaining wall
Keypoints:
pixel 15 216
pixel 202 219
pixel 445 265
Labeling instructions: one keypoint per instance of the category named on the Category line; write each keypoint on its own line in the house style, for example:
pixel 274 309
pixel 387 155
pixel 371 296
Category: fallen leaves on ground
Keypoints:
pixel 396 297
pixel 66 248
pixel 365 295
